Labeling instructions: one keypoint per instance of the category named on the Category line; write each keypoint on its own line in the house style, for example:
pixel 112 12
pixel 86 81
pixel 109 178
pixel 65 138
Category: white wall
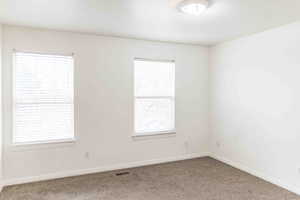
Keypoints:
pixel 254 100
pixel 104 104
pixel 255 104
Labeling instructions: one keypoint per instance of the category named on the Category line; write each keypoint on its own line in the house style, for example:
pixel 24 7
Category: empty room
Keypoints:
pixel 149 100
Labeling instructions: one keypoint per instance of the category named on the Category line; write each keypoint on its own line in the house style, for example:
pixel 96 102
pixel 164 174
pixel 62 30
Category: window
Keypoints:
pixel 154 97
pixel 43 98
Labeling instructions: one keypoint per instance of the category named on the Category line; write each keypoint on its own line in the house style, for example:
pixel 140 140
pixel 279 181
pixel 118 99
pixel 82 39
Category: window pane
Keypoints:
pixel 43 98
pixel 152 115
pixel 44 122
pixel 154 78
pixel 43 78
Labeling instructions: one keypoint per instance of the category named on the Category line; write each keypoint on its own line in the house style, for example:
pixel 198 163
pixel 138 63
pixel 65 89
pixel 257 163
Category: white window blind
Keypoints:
pixel 154 97
pixel 43 98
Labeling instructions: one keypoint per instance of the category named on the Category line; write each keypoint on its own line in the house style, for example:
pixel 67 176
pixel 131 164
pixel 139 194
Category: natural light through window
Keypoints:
pixel 154 97
pixel 43 98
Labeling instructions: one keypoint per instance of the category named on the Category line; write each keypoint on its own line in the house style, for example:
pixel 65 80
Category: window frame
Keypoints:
pixel 154 133
pixel 44 143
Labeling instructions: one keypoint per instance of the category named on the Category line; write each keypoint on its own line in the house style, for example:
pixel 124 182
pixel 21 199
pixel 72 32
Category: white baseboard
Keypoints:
pixel 51 176
pixel 258 174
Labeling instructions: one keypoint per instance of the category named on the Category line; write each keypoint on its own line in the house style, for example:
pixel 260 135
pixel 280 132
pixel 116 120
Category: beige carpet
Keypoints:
pixel 198 179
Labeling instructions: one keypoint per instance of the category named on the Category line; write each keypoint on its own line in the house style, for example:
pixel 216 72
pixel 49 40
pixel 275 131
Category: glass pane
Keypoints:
pixel 35 122
pixel 43 78
pixel 152 115
pixel 154 78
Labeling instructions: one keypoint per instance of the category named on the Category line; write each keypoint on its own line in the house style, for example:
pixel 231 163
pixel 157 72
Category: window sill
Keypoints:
pixel 158 134
pixel 42 145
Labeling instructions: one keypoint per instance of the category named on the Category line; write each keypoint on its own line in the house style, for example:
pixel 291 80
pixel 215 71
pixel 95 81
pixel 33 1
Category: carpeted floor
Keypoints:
pixel 197 179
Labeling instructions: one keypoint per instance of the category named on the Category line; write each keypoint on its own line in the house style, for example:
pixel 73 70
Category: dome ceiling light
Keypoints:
pixel 191 7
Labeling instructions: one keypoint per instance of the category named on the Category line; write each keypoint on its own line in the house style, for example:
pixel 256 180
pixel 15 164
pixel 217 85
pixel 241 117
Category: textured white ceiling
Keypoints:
pixel 152 19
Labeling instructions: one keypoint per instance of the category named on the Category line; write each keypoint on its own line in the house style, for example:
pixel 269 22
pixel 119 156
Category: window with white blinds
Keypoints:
pixel 154 97
pixel 43 98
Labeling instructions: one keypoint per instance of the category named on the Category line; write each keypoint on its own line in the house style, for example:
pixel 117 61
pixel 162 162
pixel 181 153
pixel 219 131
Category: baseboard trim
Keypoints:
pixel 258 174
pixel 16 181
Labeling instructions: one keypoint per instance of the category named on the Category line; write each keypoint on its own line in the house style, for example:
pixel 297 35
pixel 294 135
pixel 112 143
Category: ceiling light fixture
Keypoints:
pixel 191 7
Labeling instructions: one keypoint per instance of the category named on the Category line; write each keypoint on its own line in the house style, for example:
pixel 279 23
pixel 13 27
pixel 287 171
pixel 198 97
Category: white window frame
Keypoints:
pixel 153 133
pixel 44 143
